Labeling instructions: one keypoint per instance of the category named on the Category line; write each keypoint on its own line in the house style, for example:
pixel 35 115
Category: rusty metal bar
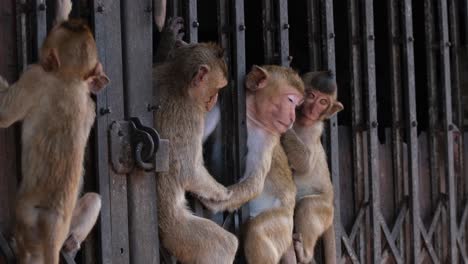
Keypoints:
pixel 268 31
pixel 137 71
pixel 372 140
pixel 283 32
pixel 361 182
pixel 192 22
pixel 113 221
pixel 448 127
pixel 408 82
pixel 173 8
pixel 332 241
pixel 313 34
pixel 239 73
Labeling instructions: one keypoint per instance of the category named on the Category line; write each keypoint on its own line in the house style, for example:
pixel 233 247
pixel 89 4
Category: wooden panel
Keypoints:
pixel 113 222
pixel 137 57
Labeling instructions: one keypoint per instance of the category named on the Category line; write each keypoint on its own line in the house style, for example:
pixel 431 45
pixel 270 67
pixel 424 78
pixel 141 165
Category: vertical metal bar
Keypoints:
pixel 268 31
pixel 239 98
pixel 411 123
pixel 313 34
pixel 113 220
pixel 283 32
pixel 21 36
pixel 40 26
pixel 137 71
pixel 456 88
pixel 361 185
pixel 192 20
pixel 395 84
pixel 332 238
pixel 372 140
pixel 448 127
pixel 173 8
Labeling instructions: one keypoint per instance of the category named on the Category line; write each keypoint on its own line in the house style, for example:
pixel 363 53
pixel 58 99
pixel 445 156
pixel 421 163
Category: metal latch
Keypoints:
pixel 133 144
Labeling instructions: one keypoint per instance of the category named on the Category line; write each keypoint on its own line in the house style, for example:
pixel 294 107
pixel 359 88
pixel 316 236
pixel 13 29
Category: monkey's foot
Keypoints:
pixel 299 247
pixel 72 244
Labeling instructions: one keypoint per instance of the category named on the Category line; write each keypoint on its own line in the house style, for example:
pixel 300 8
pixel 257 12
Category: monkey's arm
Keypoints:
pixel 14 102
pixel 170 34
pixel 206 187
pixel 62 9
pixel 247 189
pixel 297 151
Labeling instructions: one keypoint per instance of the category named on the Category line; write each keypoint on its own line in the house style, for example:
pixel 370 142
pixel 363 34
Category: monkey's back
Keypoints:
pixel 54 136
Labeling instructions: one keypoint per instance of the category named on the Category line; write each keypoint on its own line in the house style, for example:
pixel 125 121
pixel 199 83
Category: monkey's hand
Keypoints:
pixel 72 244
pixel 63 9
pixel 175 27
pixel 299 247
pixel 213 206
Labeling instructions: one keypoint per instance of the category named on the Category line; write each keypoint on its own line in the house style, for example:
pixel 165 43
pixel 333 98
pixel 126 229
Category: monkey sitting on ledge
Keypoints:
pixel 53 100
pixel 314 201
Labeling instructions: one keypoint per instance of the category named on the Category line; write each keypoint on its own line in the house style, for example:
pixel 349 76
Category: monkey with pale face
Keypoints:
pixel 53 100
pixel 273 93
pixel 314 200
pixel 187 84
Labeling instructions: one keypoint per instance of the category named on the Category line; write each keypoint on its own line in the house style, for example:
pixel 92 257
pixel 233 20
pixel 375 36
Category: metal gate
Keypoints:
pixel 398 152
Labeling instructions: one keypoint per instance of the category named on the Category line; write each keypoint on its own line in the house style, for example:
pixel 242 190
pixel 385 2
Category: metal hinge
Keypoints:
pixel 135 145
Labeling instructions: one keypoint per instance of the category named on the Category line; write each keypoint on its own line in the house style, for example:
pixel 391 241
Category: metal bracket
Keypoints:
pixel 133 144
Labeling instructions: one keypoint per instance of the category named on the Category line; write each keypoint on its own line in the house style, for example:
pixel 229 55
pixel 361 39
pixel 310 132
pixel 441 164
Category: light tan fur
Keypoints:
pixel 57 113
pixel 314 200
pixel 269 234
pixel 180 118
pixel 267 182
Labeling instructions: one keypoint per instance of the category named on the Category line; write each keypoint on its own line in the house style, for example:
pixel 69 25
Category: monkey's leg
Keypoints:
pixel 192 239
pixel 311 218
pixel 206 187
pixel 84 217
pixel 39 233
pixel 268 236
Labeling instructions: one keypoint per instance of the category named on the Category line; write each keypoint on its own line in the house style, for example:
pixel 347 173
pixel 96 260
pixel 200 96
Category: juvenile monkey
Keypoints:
pixel 188 84
pixel 314 200
pixel 273 93
pixel 53 100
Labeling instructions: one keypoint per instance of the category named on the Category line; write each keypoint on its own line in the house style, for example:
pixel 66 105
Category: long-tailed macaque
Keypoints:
pixel 273 93
pixel 53 100
pixel 200 72
pixel 314 201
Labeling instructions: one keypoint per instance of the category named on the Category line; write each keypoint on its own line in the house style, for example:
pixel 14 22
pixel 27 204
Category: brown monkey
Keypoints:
pixel 188 84
pixel 314 201
pixel 53 101
pixel 273 93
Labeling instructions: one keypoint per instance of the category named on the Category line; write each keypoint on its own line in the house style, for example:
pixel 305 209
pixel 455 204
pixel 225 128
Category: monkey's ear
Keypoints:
pixel 336 107
pixel 51 62
pixel 97 80
pixel 256 79
pixel 201 76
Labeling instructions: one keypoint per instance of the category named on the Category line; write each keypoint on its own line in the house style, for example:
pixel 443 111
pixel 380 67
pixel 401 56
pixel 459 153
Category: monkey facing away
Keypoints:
pixel 53 100
pixel 188 84
pixel 273 93
pixel 314 201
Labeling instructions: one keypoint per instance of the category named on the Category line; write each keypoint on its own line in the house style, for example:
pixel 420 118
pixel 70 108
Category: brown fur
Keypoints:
pixel 269 234
pixel 314 206
pixel 57 113
pixel 264 85
pixel 180 119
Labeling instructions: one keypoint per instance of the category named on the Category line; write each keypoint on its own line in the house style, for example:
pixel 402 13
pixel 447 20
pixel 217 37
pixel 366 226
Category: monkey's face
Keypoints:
pixel 276 110
pixel 314 108
pixel 205 87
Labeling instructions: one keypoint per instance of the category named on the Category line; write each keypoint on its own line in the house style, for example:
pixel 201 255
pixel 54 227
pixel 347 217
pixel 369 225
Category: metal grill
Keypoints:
pixel 397 153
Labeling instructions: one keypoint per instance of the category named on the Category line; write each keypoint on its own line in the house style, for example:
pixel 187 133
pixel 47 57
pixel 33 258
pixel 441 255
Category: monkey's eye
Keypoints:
pixel 311 95
pixel 294 99
pixel 324 102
